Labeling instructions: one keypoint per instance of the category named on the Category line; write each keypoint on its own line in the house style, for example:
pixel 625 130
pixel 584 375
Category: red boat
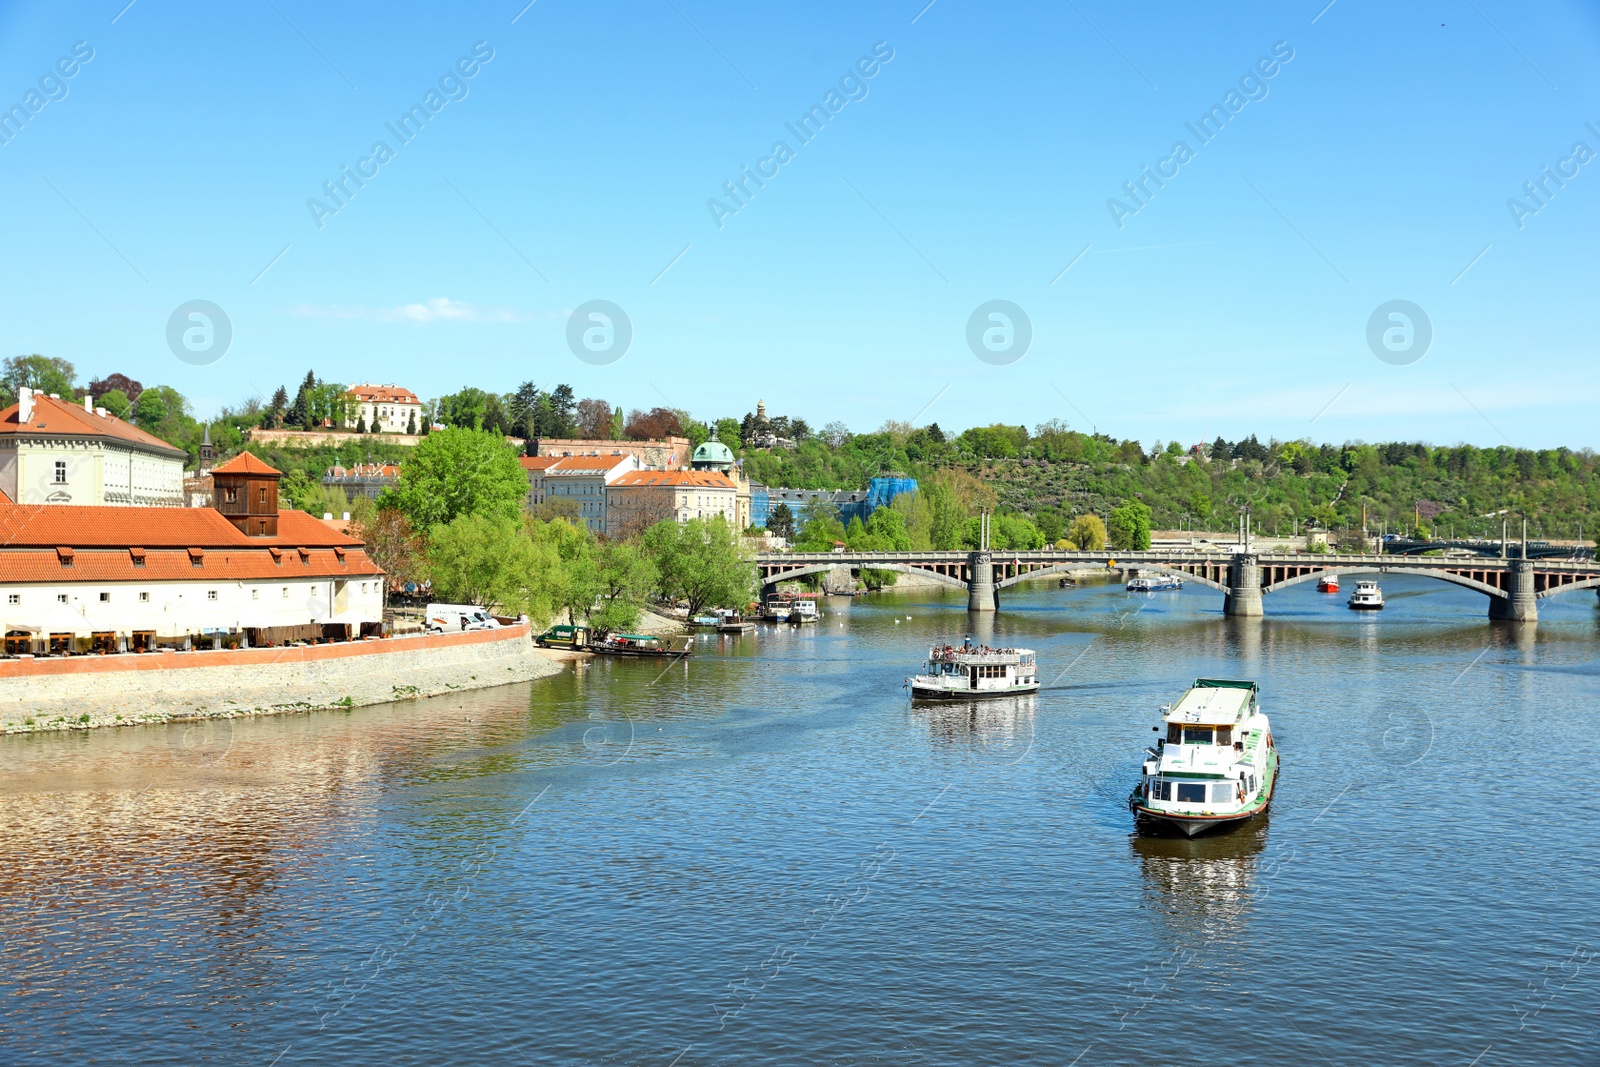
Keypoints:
pixel 1330 584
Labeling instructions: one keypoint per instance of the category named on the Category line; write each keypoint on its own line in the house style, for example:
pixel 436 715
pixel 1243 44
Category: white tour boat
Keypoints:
pixel 777 608
pixel 1217 764
pixel 804 610
pixel 1156 584
pixel 1367 597
pixel 968 672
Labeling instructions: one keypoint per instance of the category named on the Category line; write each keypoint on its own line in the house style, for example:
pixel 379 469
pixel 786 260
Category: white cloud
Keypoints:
pixel 439 309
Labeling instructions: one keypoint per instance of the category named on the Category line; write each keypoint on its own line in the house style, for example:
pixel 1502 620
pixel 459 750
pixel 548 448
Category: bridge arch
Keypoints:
pixel 1587 583
pixel 821 568
pixel 1078 565
pixel 1372 568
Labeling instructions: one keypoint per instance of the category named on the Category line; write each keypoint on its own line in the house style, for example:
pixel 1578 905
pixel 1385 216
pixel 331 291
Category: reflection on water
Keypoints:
pixel 1200 888
pixel 997 729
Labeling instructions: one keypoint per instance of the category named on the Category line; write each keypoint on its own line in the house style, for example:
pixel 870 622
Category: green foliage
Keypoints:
pixel 702 562
pixel 822 528
pixel 1129 527
pixel 455 472
pixel 488 559
pixel 780 520
pixel 1087 533
pixel 627 576
pixel 42 373
pixel 116 402
pixel 151 411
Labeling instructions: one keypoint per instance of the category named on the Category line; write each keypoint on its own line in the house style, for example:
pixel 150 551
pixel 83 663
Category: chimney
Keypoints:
pixel 346 515
pixel 102 412
pixel 327 516
pixel 25 405
pixel 88 403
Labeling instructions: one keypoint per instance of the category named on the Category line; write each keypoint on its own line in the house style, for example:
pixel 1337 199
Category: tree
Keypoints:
pixel 116 402
pixel 299 413
pixel 653 425
pixel 887 527
pixel 464 410
pixel 948 518
pixel 835 434
pixel 702 562
pixel 1087 533
pixel 454 472
pixel 563 403
pixel 392 542
pixel 780 521
pixel 411 423
pixel 41 373
pixel 1129 527
pixel 129 388
pixel 151 410
pixel 520 406
pixel 489 560
pixel 822 528
pixel 278 408
pixel 594 419
pixel 573 584
pixel 361 424
pixel 626 578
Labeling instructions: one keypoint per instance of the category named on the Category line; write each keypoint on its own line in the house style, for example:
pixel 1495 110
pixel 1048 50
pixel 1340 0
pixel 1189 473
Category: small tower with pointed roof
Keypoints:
pixel 208 451
pixel 246 493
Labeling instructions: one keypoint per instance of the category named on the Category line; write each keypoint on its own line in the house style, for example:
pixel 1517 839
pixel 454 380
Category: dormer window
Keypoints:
pixel 197 557
pixel 64 555
pixel 137 555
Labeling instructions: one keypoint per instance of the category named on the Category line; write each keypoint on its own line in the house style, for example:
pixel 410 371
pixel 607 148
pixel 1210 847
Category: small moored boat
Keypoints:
pixel 1367 597
pixel 1216 765
pixel 776 608
pixel 642 645
pixel 975 672
pixel 1154 584
pixel 1329 584
pixel 804 610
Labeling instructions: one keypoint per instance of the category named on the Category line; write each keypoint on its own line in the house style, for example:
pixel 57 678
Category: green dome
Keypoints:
pixel 713 454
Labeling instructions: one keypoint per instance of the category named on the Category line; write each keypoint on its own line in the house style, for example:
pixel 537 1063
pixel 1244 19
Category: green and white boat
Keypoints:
pixel 1217 764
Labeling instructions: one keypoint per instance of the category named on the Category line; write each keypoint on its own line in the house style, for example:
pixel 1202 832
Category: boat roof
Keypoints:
pixel 1213 702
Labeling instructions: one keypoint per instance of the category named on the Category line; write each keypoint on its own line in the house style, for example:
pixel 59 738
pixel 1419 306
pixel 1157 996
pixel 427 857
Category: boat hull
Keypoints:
pixel 939 693
pixel 1366 607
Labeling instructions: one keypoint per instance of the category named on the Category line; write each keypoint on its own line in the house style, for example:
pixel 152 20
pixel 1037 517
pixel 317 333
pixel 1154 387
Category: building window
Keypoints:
pixel 255 594
pixel 286 592
pixel 230 495
pixel 144 598
pixel 105 598
pixel 61 598
pixel 14 598
pixel 263 496
pixel 61 472
pixel 211 594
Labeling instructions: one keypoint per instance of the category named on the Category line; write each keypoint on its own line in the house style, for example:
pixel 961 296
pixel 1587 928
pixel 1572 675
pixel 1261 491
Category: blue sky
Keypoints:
pixel 577 164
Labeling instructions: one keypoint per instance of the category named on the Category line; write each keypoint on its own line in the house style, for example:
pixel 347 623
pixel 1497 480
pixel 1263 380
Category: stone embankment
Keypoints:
pixel 81 692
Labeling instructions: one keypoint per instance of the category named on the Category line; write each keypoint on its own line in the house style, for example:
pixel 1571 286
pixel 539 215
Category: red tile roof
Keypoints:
pixel 245 463
pixel 580 465
pixel 56 418
pixel 49 525
pixel 383 394
pixel 176 565
pixel 538 463
pixel 700 479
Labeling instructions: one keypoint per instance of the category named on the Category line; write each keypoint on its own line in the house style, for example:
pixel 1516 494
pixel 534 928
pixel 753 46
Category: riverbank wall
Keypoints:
pixel 83 692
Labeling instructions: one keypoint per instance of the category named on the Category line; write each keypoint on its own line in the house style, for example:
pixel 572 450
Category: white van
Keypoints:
pixel 448 618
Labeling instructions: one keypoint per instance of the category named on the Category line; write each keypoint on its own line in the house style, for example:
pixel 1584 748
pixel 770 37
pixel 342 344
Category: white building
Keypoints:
pixel 56 452
pixel 387 408
pixel 639 499
pixel 583 479
pixel 75 578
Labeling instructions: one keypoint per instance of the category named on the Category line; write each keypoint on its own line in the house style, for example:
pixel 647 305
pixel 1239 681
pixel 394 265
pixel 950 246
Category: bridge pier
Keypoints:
pixel 981 593
pixel 1523 604
pixel 1243 598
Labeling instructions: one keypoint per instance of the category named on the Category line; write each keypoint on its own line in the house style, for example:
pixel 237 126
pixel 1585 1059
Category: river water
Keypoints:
pixel 766 855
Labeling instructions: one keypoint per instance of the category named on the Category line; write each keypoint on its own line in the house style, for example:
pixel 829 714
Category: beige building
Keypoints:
pixel 56 452
pixel 534 467
pixel 640 499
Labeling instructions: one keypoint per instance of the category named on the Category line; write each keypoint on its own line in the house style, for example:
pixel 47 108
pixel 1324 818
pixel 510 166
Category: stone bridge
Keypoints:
pixel 1514 586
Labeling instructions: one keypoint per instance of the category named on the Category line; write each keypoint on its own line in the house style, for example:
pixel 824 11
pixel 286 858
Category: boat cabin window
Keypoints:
pixel 1174 734
pixel 1197 735
pixel 1191 792
pixel 1224 792
pixel 1224 735
pixel 1160 789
